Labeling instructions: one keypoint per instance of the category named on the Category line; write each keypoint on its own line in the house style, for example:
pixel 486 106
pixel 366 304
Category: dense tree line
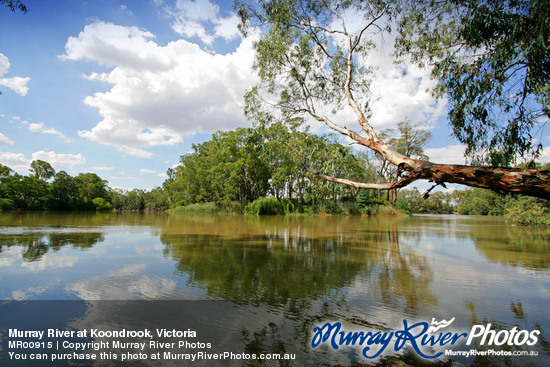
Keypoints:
pixel 520 209
pixel 266 170
pixel 248 163
pixel 45 188
pixel 238 166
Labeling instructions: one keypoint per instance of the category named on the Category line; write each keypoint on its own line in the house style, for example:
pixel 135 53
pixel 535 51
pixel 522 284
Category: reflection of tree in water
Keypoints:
pixel 293 336
pixel 516 245
pixel 522 323
pixel 37 245
pixel 255 270
pixel 305 278
pixel 34 245
pixel 404 276
pixel 290 264
pixel 76 240
pixel 266 339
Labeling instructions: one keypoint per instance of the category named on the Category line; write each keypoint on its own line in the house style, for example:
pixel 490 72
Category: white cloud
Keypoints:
pixel 190 14
pixel 202 19
pixel 113 45
pixel 452 154
pixel 160 93
pixel 401 91
pixel 51 131
pixel 125 9
pixel 397 91
pixel 103 168
pixel 16 83
pixel 190 28
pixel 145 171
pixel 39 127
pixel 4 140
pixel 59 160
pixel 16 161
pixel 227 28
pixel 51 261
pixel 4 64
pixel 199 10
pixel 544 156
pixel 124 178
pixel 34 126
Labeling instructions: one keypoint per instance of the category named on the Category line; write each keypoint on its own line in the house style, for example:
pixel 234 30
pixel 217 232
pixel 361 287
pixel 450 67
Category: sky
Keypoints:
pixel 124 88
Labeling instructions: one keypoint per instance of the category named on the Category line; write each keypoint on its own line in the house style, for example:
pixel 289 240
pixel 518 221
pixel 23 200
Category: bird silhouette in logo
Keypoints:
pixel 436 325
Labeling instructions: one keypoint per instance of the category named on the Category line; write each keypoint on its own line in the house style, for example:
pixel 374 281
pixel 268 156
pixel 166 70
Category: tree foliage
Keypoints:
pixel 492 61
pixel 86 191
pixel 14 5
pixel 408 139
pixel 247 164
pixel 311 59
pixel 42 170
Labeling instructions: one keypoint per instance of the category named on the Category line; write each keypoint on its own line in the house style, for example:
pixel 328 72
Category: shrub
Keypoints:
pixel 527 211
pixel 263 206
pixel 364 199
pixel 331 207
pixel 102 205
pixel 6 204
pixel 370 210
pixel 388 210
pixel 403 205
pixel 288 206
pixel 208 208
pixel 180 203
pixel 352 209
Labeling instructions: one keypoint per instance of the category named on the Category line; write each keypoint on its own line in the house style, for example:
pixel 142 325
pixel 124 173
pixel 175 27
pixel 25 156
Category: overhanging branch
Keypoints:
pixel 404 181
pixel 530 182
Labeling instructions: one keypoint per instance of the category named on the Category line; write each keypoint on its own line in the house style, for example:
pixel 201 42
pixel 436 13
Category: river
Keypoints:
pixel 262 284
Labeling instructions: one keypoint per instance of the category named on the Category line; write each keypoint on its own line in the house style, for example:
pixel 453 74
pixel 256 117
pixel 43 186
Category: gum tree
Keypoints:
pixel 491 59
pixel 311 56
pixel 14 5
pixel 42 169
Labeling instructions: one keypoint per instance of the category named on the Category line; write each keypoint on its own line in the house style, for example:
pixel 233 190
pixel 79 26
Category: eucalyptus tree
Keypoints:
pixel 90 186
pixel 42 169
pixel 14 5
pixel 312 56
pixel 63 192
pixel 408 139
pixel 491 59
pixel 229 167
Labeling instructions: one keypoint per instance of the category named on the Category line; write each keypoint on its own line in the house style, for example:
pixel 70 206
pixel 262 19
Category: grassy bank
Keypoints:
pixel 273 206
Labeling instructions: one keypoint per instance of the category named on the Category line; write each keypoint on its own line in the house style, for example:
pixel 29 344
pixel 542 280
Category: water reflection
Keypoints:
pixel 291 273
pixel 35 245
pixel 263 270
pixel 528 247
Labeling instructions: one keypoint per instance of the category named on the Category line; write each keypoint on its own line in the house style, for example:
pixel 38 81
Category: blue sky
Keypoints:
pixel 123 88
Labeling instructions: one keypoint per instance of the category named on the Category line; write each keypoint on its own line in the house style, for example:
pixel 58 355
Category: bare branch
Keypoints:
pixel 411 177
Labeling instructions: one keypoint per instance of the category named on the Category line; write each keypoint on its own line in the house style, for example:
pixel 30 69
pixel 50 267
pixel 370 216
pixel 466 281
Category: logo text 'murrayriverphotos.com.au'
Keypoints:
pixel 421 336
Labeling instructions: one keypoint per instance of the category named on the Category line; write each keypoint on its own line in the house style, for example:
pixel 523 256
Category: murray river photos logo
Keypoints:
pixel 425 339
